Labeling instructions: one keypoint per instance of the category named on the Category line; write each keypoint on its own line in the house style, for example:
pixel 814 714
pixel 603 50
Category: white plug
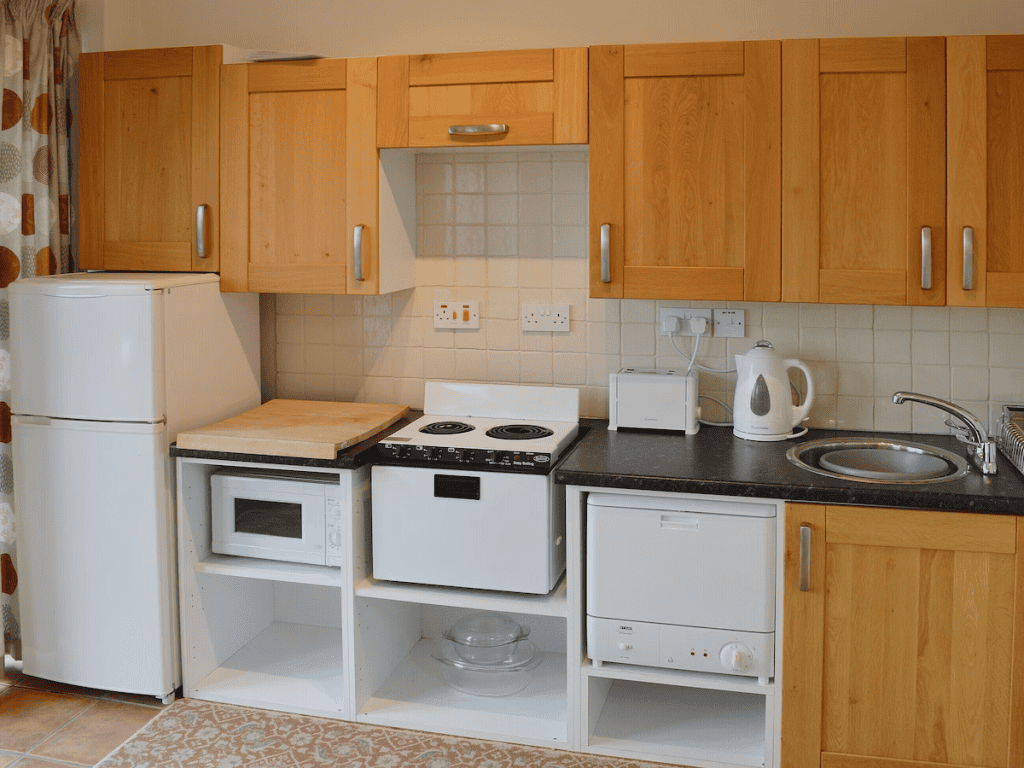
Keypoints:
pixel 670 324
pixel 698 325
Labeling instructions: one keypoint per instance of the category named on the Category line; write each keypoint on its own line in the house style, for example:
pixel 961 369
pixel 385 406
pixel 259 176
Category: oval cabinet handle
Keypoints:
pixel 606 253
pixel 968 258
pixel 926 258
pixel 494 129
pixel 805 557
pixel 357 252
pixel 201 230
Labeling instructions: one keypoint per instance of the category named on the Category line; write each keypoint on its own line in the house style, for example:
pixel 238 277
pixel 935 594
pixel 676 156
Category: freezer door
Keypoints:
pixel 84 352
pixel 95 550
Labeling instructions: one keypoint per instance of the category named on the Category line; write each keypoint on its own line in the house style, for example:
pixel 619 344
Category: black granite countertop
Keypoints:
pixel 714 461
pixel 353 457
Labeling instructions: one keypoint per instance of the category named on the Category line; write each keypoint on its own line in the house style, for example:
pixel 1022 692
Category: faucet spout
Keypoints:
pixel 981 449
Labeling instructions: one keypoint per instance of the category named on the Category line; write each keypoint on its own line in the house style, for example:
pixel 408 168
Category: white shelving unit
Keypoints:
pixel 334 642
pixel 256 632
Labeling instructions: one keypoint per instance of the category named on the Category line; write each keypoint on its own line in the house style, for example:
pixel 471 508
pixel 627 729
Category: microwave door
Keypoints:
pixel 267 522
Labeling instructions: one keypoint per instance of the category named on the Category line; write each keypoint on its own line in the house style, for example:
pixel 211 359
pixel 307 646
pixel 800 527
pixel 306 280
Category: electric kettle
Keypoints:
pixel 763 406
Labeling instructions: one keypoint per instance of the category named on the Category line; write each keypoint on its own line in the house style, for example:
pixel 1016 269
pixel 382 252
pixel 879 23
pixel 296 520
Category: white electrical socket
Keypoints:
pixel 683 315
pixel 456 314
pixel 545 317
pixel 730 323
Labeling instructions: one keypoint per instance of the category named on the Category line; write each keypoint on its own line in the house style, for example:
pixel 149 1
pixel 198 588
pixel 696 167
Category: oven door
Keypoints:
pixel 268 518
pixel 481 530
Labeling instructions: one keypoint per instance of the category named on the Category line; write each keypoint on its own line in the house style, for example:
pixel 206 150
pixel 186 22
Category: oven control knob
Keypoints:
pixel 335 538
pixel 469 457
pixel 458 454
pixel 736 657
pixel 435 454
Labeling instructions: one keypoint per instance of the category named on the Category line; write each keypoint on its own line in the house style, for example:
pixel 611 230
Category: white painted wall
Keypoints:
pixel 380 27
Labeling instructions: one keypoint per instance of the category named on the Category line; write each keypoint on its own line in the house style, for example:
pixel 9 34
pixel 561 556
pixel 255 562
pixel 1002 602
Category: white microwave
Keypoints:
pixel 277 515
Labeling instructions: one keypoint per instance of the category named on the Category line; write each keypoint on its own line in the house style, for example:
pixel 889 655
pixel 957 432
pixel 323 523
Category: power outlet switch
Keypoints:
pixel 457 314
pixel 730 323
pixel 683 315
pixel 546 317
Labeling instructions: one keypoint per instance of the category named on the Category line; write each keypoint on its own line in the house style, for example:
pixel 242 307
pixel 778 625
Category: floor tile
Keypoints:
pixel 96 732
pixel 6 758
pixel 135 698
pixel 35 762
pixel 29 715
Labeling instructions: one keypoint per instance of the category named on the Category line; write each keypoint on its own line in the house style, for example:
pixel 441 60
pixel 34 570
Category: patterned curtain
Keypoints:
pixel 39 41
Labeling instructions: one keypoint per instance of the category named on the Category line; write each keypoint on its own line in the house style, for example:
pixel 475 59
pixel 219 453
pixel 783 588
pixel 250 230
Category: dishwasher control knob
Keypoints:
pixel 736 657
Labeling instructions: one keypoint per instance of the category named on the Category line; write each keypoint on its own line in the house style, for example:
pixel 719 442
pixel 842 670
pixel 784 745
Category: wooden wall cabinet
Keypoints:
pixel 538 96
pixel 148 171
pixel 301 181
pixel 685 168
pixel 985 81
pixel 905 649
pixel 863 182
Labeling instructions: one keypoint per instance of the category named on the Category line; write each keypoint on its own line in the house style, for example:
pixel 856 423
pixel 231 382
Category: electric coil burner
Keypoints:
pixel 464 496
pixel 488 426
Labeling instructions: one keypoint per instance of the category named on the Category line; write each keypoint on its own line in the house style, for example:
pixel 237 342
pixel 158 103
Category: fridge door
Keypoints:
pixel 85 350
pixel 96 554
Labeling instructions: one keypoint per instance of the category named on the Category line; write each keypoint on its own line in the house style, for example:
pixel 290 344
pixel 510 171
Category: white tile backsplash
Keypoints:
pixel 512 228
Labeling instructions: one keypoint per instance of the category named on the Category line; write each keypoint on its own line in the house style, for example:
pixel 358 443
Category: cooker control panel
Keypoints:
pixel 467 458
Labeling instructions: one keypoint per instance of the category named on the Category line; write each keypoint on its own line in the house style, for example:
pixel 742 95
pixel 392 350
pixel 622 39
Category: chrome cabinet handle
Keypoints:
pixel 805 557
pixel 494 129
pixel 926 258
pixel 201 230
pixel 606 253
pixel 968 258
pixel 357 252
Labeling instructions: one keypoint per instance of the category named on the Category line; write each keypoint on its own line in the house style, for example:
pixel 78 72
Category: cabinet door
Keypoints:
pixel 283 167
pixel 901 651
pixel 526 97
pixel 986 170
pixel 685 171
pixel 863 187
pixel 148 159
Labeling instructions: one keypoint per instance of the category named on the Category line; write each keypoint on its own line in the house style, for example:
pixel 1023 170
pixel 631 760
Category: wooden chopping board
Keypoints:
pixel 305 428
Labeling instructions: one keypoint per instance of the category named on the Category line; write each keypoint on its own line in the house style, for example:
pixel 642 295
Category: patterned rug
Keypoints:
pixel 201 734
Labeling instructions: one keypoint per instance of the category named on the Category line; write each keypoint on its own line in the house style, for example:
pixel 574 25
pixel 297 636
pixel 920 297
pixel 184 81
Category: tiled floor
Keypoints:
pixel 45 724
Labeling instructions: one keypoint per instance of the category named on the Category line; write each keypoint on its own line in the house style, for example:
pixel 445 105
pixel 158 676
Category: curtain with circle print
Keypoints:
pixel 40 42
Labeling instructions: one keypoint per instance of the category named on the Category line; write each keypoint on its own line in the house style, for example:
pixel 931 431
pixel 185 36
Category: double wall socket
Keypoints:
pixel 681 326
pixel 546 317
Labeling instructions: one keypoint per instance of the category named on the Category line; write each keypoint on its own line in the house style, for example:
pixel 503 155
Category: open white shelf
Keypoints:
pixel 416 696
pixel 287 667
pixel 694 726
pixel 552 604
pixel 272 570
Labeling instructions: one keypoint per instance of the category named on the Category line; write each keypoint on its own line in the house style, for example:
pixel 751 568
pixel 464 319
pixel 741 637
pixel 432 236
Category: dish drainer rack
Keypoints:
pixel 1011 435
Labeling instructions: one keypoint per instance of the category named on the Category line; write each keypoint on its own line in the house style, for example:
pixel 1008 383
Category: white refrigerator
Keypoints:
pixel 106 369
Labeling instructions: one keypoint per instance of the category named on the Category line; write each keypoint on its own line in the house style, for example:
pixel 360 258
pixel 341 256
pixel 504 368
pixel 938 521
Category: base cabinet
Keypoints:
pixel 902 644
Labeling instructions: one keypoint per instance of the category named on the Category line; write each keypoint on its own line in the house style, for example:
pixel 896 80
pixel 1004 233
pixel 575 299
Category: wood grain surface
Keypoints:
pixel 309 429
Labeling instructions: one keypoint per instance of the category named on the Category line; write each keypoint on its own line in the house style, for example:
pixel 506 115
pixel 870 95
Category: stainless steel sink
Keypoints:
pixel 878 461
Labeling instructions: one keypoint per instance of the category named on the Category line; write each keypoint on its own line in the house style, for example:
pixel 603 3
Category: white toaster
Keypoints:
pixel 651 398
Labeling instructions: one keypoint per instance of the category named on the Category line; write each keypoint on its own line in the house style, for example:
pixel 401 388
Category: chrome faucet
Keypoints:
pixel 980 448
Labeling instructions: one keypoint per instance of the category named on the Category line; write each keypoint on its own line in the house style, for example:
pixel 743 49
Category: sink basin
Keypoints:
pixel 878 461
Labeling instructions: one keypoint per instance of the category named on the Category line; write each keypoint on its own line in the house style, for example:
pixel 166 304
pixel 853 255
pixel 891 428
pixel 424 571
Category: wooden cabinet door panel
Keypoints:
pixel 864 141
pixel 297 194
pixel 284 172
pixel 148 159
pixel 685 169
pixel 986 169
pixel 906 646
pixel 539 95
